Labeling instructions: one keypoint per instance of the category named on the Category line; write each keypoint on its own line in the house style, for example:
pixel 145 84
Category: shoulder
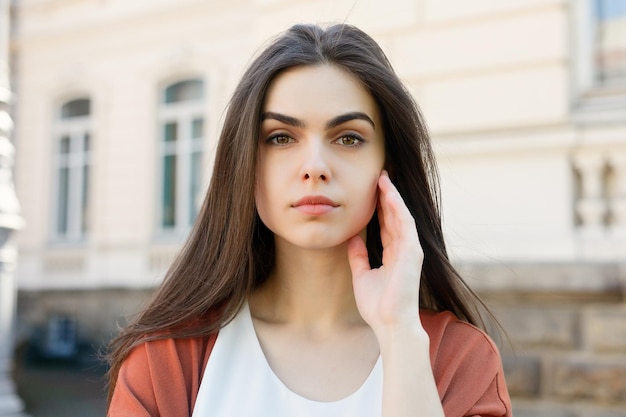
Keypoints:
pixel 185 350
pixel 467 366
pixel 159 369
pixel 448 334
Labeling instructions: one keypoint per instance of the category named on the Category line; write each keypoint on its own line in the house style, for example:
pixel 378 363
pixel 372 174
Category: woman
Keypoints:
pixel 297 291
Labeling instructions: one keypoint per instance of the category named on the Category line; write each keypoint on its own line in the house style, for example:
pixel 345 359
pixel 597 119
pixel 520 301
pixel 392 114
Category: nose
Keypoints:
pixel 315 165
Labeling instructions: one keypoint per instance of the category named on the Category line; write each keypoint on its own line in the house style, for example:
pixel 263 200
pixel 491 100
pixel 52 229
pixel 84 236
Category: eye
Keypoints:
pixel 350 140
pixel 280 139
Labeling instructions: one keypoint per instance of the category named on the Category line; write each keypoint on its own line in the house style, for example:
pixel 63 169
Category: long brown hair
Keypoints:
pixel 230 252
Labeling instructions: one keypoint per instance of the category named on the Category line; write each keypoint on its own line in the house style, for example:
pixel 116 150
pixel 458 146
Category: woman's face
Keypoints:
pixel 321 151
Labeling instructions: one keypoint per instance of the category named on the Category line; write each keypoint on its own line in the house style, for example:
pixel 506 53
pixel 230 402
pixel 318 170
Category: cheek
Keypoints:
pixel 269 189
pixel 369 197
pixel 373 194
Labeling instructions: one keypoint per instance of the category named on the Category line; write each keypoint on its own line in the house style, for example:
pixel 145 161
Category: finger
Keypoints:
pixel 395 218
pixel 357 256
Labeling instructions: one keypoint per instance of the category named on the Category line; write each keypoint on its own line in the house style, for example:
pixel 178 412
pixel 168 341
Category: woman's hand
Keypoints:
pixel 388 297
pixel 388 300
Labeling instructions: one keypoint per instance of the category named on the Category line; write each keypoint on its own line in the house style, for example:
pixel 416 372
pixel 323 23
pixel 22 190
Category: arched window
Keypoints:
pixel 181 138
pixel 72 165
pixel 75 108
pixel 188 90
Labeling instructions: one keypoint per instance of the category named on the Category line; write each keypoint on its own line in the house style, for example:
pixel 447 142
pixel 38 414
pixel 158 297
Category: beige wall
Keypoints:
pixel 491 77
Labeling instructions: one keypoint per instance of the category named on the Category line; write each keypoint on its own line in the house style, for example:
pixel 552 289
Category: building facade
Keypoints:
pixel 120 104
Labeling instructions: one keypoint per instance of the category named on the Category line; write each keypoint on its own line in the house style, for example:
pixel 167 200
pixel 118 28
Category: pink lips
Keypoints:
pixel 315 205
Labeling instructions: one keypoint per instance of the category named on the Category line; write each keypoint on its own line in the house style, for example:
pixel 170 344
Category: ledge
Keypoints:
pixel 564 278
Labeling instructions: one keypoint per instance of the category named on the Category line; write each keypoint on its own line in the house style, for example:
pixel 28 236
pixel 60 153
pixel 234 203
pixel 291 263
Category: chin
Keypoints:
pixel 320 244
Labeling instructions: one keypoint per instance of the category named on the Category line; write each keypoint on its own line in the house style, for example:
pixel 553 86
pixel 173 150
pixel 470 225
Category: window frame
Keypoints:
pixel 79 185
pixel 182 113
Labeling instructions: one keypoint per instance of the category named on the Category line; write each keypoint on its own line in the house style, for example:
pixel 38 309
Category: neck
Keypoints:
pixel 311 288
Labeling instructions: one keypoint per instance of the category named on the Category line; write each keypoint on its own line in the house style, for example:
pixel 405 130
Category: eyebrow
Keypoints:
pixel 288 120
pixel 334 122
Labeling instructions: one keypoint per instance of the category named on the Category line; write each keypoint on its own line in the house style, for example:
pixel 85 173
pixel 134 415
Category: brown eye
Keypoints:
pixel 349 140
pixel 280 140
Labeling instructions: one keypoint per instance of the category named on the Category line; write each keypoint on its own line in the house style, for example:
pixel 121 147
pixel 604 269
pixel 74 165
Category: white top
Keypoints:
pixel 238 382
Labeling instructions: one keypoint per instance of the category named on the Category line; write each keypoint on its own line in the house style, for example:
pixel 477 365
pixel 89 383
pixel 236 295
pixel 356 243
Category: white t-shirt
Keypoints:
pixel 238 382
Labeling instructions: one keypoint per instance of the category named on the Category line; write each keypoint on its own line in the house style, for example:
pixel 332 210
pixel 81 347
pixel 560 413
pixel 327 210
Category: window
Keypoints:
pixel 72 166
pixel 181 138
pixel 610 42
pixel 61 338
pixel 599 60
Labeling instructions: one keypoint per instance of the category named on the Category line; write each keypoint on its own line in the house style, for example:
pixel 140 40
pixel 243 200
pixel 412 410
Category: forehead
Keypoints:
pixel 318 91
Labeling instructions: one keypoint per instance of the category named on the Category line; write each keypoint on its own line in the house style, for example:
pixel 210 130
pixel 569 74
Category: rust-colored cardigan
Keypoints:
pixel 162 378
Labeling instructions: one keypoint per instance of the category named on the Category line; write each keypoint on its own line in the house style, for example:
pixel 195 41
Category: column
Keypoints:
pixel 591 205
pixel 617 199
pixel 10 221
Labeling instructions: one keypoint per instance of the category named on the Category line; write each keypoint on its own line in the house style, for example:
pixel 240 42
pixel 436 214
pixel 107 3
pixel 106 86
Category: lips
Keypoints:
pixel 315 205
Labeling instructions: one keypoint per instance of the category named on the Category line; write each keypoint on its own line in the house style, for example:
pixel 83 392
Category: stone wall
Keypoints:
pixel 566 350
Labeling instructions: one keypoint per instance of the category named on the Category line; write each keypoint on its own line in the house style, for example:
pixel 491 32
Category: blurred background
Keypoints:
pixel 113 109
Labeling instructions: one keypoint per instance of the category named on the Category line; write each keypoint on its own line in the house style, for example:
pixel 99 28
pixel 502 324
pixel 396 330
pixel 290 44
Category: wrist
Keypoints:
pixel 402 336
